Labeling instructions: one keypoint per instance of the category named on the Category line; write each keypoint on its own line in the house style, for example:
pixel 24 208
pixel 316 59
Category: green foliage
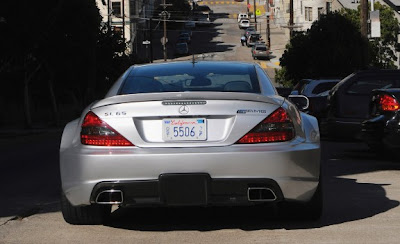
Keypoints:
pixel 332 47
pixel 381 49
pixel 56 49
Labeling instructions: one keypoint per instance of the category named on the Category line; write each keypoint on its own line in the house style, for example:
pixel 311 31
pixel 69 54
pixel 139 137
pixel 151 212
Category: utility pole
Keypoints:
pixel 291 22
pixel 254 12
pixel 268 30
pixel 108 14
pixel 164 14
pixel 123 19
pixel 151 41
pixel 247 6
pixel 364 18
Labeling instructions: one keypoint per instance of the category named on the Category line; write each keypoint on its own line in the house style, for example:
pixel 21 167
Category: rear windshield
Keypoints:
pixel 262 48
pixel 148 79
pixel 323 87
pixel 365 86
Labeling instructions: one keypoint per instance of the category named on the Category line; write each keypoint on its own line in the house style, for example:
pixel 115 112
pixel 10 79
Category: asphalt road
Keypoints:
pixel 361 191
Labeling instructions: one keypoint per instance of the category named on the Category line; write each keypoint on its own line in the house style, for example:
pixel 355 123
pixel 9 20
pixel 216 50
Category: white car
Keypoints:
pixel 244 23
pixel 242 16
pixel 204 133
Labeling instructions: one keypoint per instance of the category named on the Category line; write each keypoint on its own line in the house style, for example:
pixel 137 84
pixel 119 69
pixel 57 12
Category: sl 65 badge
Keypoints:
pixel 115 113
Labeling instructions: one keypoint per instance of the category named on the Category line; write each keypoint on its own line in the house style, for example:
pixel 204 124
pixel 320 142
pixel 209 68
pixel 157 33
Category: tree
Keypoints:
pixel 382 50
pixel 332 47
pixel 54 49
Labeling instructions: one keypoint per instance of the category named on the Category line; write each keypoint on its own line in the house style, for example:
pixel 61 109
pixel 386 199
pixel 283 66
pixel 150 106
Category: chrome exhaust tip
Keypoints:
pixel 110 197
pixel 260 194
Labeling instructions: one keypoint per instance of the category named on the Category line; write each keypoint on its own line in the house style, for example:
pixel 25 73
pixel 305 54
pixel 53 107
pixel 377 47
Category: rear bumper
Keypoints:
pixel 189 190
pixel 294 166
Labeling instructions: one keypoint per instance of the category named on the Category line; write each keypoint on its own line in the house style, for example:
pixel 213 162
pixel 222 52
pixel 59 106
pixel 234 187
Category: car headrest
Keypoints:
pixel 237 86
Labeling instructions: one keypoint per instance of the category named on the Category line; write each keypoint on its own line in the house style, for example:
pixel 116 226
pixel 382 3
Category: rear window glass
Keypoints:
pixel 364 86
pixel 261 48
pixel 178 79
pixel 323 87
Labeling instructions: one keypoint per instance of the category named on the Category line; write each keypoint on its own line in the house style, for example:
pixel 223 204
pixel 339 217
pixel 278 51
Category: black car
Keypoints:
pixel 348 101
pixel 382 131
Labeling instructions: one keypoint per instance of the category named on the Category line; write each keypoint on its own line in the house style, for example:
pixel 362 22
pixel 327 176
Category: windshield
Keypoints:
pixel 189 77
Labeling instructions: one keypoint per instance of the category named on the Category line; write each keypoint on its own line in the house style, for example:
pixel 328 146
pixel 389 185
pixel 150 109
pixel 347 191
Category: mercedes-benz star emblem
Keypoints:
pixel 184 110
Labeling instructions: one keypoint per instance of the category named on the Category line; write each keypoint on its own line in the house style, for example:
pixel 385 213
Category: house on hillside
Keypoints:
pixel 128 17
pixel 305 12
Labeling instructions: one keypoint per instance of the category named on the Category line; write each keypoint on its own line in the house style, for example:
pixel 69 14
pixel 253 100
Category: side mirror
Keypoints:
pixel 300 101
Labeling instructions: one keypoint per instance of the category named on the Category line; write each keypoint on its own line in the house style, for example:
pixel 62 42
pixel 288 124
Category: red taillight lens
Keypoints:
pixel 277 127
pixel 96 132
pixel 388 103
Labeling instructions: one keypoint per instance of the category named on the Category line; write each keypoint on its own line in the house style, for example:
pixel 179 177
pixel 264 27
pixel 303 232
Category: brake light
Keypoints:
pixel 277 127
pixel 388 103
pixel 96 132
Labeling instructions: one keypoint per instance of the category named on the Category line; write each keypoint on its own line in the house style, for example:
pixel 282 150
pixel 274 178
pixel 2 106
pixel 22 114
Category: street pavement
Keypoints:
pixel 221 41
pixel 361 190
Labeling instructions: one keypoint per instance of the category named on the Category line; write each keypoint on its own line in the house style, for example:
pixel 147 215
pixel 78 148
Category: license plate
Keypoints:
pixel 185 129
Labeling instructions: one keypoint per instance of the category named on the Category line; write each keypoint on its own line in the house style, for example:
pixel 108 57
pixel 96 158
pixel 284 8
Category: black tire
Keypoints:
pixel 311 211
pixel 84 215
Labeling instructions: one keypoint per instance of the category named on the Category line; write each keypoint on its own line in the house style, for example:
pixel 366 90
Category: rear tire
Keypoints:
pixel 84 215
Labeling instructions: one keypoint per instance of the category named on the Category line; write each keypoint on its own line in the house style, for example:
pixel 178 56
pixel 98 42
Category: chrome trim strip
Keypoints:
pixel 260 200
pixel 110 191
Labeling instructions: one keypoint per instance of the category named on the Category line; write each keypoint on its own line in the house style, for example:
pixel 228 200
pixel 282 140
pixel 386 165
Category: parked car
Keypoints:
pixel 260 51
pixel 181 48
pixel 203 20
pixel 348 101
pixel 190 134
pixel 244 23
pixel 185 37
pixel 314 87
pixel 202 9
pixel 381 131
pixel 253 38
pixel 242 16
pixel 187 31
pixel 190 24
pixel 248 31
pixel 317 91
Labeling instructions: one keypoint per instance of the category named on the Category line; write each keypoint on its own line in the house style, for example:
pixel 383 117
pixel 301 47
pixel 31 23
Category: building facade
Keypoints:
pixel 128 17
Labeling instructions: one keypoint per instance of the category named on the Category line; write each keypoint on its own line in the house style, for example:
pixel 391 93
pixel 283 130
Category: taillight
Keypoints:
pixel 277 127
pixel 388 103
pixel 96 132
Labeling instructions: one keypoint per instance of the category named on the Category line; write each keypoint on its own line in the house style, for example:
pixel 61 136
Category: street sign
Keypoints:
pixel 164 41
pixel 146 42
pixel 258 12
pixel 165 14
pixel 249 6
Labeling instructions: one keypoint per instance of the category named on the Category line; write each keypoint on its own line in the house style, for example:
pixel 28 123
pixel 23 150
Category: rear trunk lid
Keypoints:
pixel 185 119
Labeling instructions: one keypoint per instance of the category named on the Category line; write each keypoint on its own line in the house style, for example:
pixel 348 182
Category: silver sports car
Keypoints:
pixel 190 134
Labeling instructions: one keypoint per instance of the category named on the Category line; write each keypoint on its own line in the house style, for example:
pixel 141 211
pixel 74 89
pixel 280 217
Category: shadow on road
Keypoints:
pixel 30 179
pixel 345 200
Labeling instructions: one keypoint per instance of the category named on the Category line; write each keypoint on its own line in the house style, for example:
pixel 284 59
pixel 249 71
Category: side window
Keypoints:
pixel 323 87
pixel 364 87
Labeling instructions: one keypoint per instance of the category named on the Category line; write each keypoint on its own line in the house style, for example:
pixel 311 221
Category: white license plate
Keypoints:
pixel 184 129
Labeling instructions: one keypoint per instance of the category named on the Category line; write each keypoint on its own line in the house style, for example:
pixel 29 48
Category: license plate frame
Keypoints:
pixel 184 129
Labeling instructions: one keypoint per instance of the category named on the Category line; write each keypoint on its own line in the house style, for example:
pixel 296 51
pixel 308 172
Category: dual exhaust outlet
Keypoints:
pixel 254 194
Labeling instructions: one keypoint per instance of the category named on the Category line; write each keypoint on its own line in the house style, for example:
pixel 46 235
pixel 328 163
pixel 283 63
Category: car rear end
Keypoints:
pixel 260 51
pixel 380 131
pixel 348 101
pixel 222 143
